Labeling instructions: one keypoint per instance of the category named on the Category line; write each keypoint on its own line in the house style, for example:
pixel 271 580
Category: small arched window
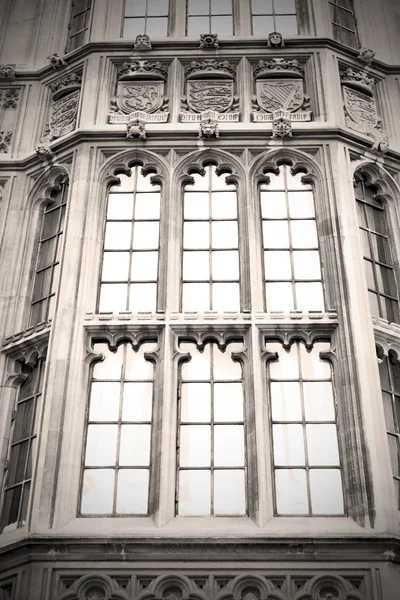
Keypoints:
pixel 49 256
pixel 378 262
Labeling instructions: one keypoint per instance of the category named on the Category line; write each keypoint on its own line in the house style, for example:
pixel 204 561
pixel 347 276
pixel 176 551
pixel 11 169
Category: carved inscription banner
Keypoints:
pixel 360 111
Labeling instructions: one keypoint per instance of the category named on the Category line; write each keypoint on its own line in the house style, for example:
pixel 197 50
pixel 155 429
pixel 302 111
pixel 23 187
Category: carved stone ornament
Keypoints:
pixel 280 91
pixel 44 152
pixel 56 61
pixel 208 129
pixel 9 98
pixel 366 55
pixel 281 128
pixel 142 42
pixel 361 113
pixel 140 89
pixel 275 40
pixel 210 86
pixel 5 141
pixel 380 146
pixel 209 40
pixel 7 72
pixel 358 80
pixel 64 107
pixel 136 129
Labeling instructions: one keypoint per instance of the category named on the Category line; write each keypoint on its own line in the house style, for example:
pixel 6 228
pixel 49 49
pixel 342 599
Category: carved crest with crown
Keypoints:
pixel 140 93
pixel 210 86
pixel 280 92
pixel 360 108
pixel 65 93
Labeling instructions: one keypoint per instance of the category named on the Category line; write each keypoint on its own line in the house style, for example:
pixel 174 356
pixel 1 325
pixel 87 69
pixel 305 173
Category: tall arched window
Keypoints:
pixel 131 245
pixel 49 256
pixel 292 268
pixel 378 262
pixel 210 266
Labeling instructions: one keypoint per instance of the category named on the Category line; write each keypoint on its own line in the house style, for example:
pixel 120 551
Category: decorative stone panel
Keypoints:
pixel 360 107
pixel 64 106
pixel 9 100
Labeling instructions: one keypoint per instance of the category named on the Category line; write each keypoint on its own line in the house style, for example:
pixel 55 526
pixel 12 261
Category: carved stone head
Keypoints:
pixel 275 40
pixel 142 42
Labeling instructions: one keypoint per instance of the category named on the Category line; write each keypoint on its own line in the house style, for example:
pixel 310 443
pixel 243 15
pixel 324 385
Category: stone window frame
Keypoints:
pixel 87 11
pixel 339 27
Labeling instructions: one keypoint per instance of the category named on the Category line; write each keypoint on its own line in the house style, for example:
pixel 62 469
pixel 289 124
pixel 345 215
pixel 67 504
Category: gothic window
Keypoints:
pixel 344 22
pixel 49 255
pixel 389 371
pixel 306 461
pixel 22 450
pixel 378 262
pixel 78 29
pixel 274 15
pixel 292 266
pixel 117 458
pixel 146 16
pixel 211 438
pixel 210 265
pixel 131 245
pixel 209 16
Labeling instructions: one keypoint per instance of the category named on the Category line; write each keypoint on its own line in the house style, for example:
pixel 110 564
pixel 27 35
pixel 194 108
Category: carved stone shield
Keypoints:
pixel 63 114
pixel 275 94
pixel 360 110
pixel 205 95
pixel 141 95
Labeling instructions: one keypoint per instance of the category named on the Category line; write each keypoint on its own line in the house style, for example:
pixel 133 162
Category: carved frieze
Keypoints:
pixel 140 93
pixel 9 98
pixel 64 106
pixel 360 108
pixel 210 86
pixel 280 91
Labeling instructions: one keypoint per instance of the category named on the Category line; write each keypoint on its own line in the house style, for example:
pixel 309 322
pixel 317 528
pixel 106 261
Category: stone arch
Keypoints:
pixel 328 587
pixel 94 586
pixel 196 161
pixel 172 587
pixel 299 162
pixel 250 587
pixel 46 184
pixel 377 176
pixel 124 161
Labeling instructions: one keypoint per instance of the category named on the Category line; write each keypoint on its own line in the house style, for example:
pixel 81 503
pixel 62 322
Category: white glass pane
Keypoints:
pixel 144 266
pixel 261 7
pixel 228 446
pixel 144 184
pixel 157 7
pixel 228 402
pixel 373 304
pixel 312 366
pixel 273 205
pixel 126 184
pixel 194 493
pixel 285 401
pixel 309 296
pixel 101 445
pixel 137 401
pixel 132 491
pixel 157 27
pixel 143 297
pixel 221 7
pixel 198 7
pixel 322 445
pixel 135 8
pixel 196 205
pixel 196 266
pixel 136 366
pixel 326 492
pixel 275 234
pixel 218 182
pixel 226 296
pixel 294 182
pixel 195 446
pixel 115 266
pixel 196 235
pixel 120 206
pixel 111 366
pixel 196 402
pixel 135 445
pixel 225 265
pixel 147 206
pixel 229 493
pixel 133 27
pixel 285 7
pixel 306 265
pixel 113 297
pixel 224 205
pixel 222 25
pixel 104 401
pixel 277 264
pixel 118 236
pixel 286 25
pixel 224 367
pixel 97 491
pixel 201 182
pixel 195 296
pixel 224 234
pixel 262 24
pixel 304 234
pixel 291 492
pixel 318 401
pixel 198 368
pixel 145 236
pixel 198 25
pixel 279 296
pixel 288 445
pixel 287 366
pixel 301 205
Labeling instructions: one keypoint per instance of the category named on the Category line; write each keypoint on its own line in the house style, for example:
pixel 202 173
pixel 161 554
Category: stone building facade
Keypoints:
pixel 199 290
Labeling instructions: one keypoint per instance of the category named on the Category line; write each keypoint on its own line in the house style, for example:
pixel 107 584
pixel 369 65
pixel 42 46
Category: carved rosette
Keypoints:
pixel 210 88
pixel 360 108
pixel 140 93
pixel 279 86
pixel 64 106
